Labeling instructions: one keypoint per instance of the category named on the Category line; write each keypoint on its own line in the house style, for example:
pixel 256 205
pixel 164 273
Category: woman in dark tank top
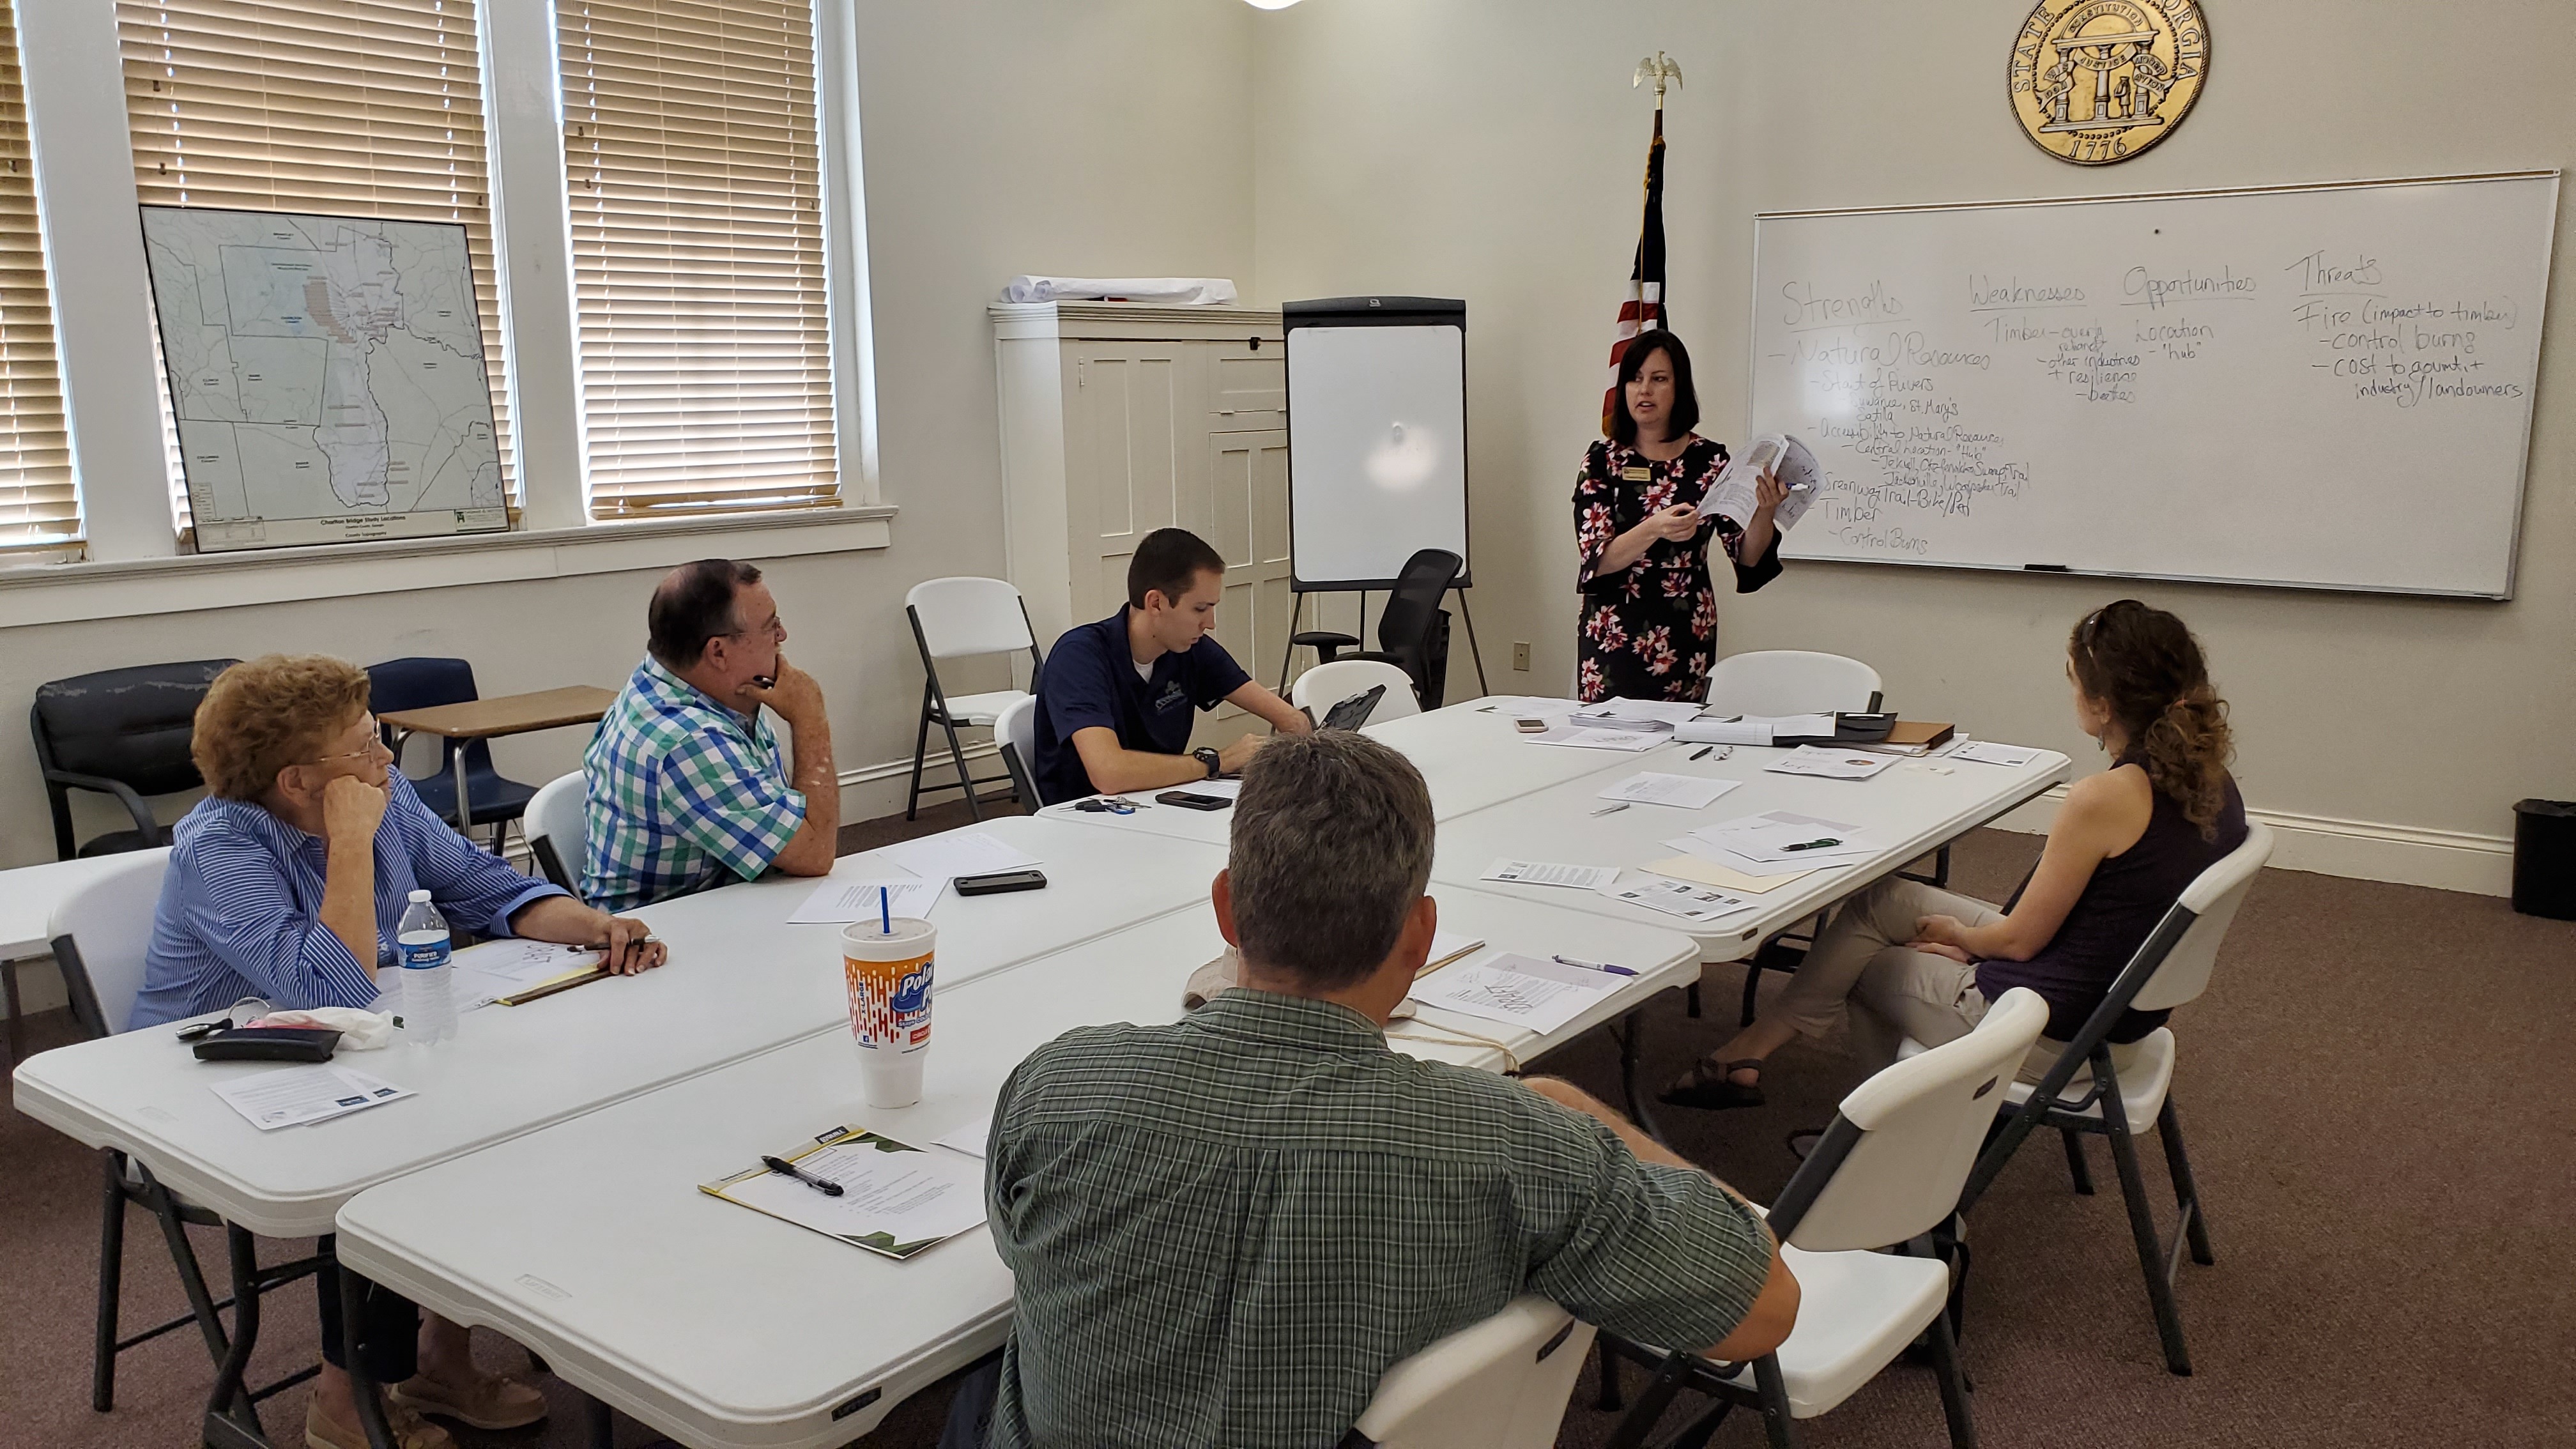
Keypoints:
pixel 1909 960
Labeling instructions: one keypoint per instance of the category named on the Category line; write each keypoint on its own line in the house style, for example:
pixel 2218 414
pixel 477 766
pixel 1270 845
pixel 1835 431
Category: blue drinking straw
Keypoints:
pixel 885 913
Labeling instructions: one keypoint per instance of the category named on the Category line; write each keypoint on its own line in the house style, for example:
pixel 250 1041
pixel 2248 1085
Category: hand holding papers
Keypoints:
pixel 1830 764
pixel 1690 792
pixel 294 1096
pixel 1787 459
pixel 1517 990
pixel 1540 872
pixel 895 1199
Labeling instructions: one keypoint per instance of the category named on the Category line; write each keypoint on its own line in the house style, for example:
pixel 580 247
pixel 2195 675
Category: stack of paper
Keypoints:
pixel 1830 764
pixel 1754 729
pixel 1691 792
pixel 1517 990
pixel 1636 714
pixel 294 1096
pixel 1583 737
pixel 1540 872
pixel 1779 843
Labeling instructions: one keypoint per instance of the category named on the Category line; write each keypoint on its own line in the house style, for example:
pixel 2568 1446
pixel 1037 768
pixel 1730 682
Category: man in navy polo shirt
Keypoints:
pixel 1117 699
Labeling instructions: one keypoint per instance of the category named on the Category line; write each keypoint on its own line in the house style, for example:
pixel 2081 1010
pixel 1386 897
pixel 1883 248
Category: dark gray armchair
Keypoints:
pixel 120 732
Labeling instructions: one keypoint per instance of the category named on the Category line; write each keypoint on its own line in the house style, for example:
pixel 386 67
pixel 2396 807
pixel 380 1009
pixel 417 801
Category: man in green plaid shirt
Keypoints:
pixel 686 786
pixel 1224 1231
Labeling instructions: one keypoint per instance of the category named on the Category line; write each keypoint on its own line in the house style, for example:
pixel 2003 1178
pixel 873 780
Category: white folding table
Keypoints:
pixel 590 1244
pixel 740 981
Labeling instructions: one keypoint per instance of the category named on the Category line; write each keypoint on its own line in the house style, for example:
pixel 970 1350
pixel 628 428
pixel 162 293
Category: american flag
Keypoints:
pixel 1644 308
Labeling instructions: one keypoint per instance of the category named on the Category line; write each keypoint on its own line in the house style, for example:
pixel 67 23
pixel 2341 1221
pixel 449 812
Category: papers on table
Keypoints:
pixel 495 969
pixel 843 901
pixel 1830 764
pixel 1755 729
pixel 1726 878
pixel 895 1199
pixel 1518 990
pixel 1700 905
pixel 1779 843
pixel 1987 752
pixel 1636 714
pixel 294 1096
pixel 1222 789
pixel 940 859
pixel 1540 872
pixel 970 1138
pixel 1584 737
pixel 1690 792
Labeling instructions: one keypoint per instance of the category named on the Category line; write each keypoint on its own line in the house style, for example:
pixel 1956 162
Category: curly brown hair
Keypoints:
pixel 2144 665
pixel 265 714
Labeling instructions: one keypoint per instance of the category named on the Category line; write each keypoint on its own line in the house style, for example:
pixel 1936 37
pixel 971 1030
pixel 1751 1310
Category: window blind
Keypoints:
pixel 332 107
pixel 695 183
pixel 38 508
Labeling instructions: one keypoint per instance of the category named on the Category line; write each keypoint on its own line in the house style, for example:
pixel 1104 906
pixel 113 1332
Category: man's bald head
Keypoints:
pixel 693 604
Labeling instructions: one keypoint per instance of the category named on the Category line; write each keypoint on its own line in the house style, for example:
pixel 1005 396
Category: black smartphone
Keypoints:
pixel 1001 881
pixel 1188 801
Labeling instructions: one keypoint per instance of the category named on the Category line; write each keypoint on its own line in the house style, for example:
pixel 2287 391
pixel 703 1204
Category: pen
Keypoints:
pixel 1812 844
pixel 781 1164
pixel 1703 752
pixel 1608 809
pixel 1592 965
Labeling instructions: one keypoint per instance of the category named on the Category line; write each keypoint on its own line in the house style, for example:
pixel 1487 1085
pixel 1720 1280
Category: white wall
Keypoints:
pixel 1491 149
pixel 1001 136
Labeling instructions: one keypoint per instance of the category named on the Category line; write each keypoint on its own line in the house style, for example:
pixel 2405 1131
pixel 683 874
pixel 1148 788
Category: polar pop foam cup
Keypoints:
pixel 887 969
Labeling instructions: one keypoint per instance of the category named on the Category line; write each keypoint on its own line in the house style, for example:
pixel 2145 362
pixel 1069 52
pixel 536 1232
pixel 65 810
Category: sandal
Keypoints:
pixel 1718 1089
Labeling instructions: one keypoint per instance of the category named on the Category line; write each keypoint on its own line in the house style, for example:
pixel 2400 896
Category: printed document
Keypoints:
pixel 943 858
pixel 1830 764
pixel 1700 868
pixel 1630 714
pixel 839 902
pixel 1690 792
pixel 1584 737
pixel 970 1138
pixel 1517 990
pixel 895 1198
pixel 1789 461
pixel 1987 752
pixel 1755 729
pixel 1699 905
pixel 495 969
pixel 294 1096
pixel 1540 872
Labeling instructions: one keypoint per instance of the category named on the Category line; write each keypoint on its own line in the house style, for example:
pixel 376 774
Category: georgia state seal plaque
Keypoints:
pixel 2098 81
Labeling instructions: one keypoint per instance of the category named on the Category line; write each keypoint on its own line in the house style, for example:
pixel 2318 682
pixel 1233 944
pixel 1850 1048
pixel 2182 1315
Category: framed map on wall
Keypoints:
pixel 327 377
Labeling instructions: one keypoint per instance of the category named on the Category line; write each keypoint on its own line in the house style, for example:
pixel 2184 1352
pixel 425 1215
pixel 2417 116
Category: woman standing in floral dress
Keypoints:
pixel 1649 610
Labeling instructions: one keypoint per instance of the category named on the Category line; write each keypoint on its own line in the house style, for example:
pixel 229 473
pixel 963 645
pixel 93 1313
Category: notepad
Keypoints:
pixel 896 1199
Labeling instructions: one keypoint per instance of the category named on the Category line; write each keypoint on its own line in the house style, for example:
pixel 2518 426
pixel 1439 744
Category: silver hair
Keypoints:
pixel 1332 846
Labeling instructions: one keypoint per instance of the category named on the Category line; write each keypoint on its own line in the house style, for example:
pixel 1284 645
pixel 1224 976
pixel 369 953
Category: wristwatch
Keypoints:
pixel 1207 757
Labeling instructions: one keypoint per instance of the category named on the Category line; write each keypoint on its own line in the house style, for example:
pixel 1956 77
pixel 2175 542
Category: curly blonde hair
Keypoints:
pixel 265 714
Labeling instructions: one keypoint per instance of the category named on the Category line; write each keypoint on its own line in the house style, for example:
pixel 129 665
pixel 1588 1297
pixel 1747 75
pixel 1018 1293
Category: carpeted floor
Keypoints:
pixel 2377 1095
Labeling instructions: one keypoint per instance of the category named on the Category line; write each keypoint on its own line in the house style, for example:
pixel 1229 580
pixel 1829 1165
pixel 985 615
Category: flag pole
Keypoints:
pixel 1645 307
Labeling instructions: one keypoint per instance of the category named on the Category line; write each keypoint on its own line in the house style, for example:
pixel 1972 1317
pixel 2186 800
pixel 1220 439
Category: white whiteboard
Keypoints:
pixel 1377 449
pixel 2326 387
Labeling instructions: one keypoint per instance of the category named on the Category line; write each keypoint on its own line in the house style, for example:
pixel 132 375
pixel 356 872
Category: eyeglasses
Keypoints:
pixel 375 745
pixel 776 628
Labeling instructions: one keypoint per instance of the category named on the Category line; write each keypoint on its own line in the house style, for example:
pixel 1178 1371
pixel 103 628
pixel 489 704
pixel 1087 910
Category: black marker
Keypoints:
pixel 2045 569
pixel 1703 752
pixel 781 1164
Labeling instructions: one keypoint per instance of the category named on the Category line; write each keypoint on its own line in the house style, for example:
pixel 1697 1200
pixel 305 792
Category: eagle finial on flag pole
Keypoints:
pixel 1644 307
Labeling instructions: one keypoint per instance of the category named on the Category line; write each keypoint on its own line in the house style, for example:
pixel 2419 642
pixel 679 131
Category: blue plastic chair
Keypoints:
pixel 491 798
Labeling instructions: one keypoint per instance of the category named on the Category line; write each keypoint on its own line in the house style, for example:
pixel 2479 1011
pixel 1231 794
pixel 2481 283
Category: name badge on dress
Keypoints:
pixel 1636 473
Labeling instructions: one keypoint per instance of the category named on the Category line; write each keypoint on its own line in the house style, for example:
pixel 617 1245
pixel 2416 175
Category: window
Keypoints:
pixel 695 182
pixel 38 508
pixel 335 107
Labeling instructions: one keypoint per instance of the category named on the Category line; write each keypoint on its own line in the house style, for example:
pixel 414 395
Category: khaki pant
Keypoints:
pixel 1861 966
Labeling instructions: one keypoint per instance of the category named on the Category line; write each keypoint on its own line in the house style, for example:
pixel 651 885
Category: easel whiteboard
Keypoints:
pixel 1377 439
pixel 2321 387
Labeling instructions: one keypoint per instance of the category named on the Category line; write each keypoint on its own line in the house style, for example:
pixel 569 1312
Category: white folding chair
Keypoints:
pixel 1017 729
pixel 1497 1384
pixel 2171 969
pixel 1792 681
pixel 1886 1172
pixel 557 832
pixel 956 618
pixel 100 933
pixel 1320 688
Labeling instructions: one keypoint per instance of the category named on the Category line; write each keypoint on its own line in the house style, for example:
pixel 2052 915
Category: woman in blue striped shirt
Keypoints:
pixel 287 883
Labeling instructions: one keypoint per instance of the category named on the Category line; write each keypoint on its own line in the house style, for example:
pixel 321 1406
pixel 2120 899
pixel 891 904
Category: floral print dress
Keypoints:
pixel 1650 629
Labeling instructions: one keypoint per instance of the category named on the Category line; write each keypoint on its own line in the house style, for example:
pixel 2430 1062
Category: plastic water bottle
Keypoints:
pixel 428 996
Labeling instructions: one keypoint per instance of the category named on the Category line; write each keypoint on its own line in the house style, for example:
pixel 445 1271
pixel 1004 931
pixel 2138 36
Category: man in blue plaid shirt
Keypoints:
pixel 687 786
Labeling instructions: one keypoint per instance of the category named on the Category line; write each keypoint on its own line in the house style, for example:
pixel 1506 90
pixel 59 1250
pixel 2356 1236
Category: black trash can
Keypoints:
pixel 2544 858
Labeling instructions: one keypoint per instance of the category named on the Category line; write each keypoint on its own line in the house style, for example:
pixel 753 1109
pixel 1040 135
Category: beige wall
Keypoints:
pixel 1000 138
pixel 1491 148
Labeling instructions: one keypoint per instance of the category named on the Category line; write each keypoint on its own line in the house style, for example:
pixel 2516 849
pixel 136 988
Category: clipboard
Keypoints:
pixel 578 976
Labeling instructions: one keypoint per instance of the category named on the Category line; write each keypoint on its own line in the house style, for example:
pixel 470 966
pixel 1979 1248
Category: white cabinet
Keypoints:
pixel 1121 418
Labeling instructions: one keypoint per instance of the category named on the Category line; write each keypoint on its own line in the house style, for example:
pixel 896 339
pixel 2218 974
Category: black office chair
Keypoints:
pixel 1412 630
pixel 120 732
pixel 425 683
